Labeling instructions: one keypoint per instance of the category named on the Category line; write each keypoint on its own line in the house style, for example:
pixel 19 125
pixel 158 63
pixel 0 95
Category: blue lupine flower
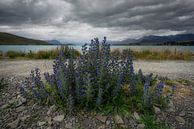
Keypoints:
pixel 140 76
pixel 158 90
pixel 146 96
pixel 99 99
pixel 173 89
pixel 133 81
pixel 119 81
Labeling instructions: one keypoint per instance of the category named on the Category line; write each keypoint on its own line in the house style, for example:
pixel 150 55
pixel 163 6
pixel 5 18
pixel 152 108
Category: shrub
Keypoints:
pixel 96 80
pixel 151 123
pixel 14 54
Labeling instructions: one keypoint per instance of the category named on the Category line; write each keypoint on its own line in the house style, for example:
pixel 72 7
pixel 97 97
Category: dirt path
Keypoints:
pixel 171 69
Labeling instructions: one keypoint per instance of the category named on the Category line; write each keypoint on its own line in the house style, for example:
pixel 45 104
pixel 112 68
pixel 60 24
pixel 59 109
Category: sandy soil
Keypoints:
pixel 171 69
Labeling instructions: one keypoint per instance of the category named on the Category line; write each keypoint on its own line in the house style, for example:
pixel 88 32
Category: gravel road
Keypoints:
pixel 171 69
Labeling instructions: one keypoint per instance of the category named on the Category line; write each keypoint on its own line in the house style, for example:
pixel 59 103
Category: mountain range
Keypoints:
pixel 180 39
pixel 158 40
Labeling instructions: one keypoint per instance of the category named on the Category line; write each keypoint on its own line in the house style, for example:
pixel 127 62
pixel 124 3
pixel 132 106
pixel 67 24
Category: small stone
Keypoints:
pixel 72 119
pixel 51 109
pixel 21 101
pixel 182 113
pixel 170 104
pixel 171 109
pixel 68 125
pixel 49 120
pixel 140 126
pixel 41 123
pixel 24 118
pixel 4 106
pixel 14 124
pixel 118 119
pixel 180 120
pixel 101 127
pixel 157 110
pixel 59 118
pixel 101 118
pixel 108 122
pixel 123 126
pixel 136 115
pixel 12 101
pixel 20 109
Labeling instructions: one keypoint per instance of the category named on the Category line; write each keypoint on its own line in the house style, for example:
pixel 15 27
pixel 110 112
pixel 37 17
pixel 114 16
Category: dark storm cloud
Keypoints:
pixel 136 14
pixel 16 12
pixel 83 18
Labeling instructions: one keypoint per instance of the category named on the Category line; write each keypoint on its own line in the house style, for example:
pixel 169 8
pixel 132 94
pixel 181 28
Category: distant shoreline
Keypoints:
pixel 38 44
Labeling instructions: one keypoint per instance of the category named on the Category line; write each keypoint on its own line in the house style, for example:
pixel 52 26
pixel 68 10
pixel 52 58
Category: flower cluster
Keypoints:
pixel 93 80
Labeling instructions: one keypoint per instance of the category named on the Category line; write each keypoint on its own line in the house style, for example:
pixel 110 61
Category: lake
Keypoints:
pixel 27 48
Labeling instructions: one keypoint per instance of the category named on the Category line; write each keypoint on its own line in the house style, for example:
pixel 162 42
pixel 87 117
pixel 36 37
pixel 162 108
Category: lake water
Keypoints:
pixel 27 48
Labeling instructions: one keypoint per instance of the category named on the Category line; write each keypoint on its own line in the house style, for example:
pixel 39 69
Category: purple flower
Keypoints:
pixel 119 81
pixel 132 77
pixel 158 90
pixel 140 76
pixel 146 96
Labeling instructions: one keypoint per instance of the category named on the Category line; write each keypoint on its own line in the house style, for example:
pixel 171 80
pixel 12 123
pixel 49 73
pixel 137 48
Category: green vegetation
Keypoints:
pixel 10 39
pixel 151 123
pixel 96 81
pixel 138 55
pixel 46 54
pixel 165 54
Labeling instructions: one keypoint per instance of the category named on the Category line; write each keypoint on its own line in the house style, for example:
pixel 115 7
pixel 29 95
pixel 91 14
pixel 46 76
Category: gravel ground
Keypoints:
pixel 23 113
pixel 171 69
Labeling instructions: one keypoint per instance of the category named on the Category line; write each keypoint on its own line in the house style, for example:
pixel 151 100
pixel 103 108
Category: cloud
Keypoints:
pixel 85 19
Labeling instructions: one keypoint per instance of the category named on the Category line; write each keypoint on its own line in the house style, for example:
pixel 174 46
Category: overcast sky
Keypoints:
pixel 84 19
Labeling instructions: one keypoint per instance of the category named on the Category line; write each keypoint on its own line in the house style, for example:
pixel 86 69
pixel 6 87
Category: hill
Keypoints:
pixel 181 39
pixel 11 39
pixel 54 42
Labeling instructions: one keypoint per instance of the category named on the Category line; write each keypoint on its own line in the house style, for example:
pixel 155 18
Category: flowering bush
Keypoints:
pixel 96 80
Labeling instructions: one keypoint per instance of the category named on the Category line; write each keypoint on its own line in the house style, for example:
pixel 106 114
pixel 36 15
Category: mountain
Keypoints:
pixel 10 39
pixel 180 39
pixel 54 42
pixel 170 38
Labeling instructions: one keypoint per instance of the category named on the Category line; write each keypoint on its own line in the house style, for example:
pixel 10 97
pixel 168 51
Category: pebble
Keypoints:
pixel 49 120
pixel 24 117
pixel 180 120
pixel 51 109
pixel 108 122
pixel 170 104
pixel 157 110
pixel 59 118
pixel 182 113
pixel 136 115
pixel 68 125
pixel 101 127
pixel 21 101
pixel 118 119
pixel 14 124
pixel 140 126
pixel 41 123
pixel 20 109
pixel 101 118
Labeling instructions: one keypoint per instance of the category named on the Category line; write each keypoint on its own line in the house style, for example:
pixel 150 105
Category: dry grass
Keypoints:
pixel 155 54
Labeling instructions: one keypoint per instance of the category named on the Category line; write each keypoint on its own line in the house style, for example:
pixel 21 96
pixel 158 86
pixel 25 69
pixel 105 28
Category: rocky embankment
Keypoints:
pixel 22 113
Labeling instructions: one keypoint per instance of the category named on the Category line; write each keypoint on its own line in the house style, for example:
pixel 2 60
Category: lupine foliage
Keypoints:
pixel 96 80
